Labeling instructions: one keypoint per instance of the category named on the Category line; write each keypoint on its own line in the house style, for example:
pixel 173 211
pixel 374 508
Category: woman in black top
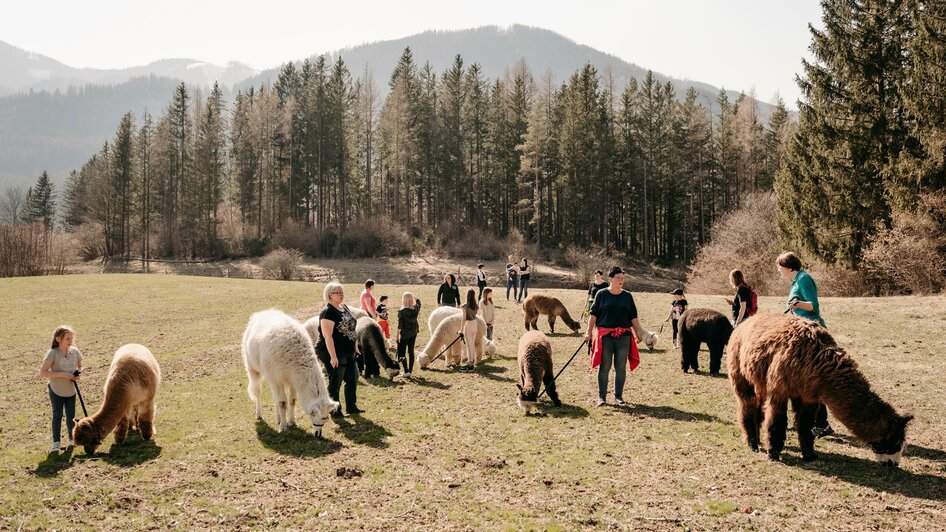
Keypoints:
pixel 337 348
pixel 525 272
pixel 613 317
pixel 740 303
pixel 407 329
pixel 449 293
pixel 596 286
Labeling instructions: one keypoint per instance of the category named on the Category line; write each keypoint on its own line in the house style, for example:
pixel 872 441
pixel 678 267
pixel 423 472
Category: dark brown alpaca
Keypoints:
pixel 537 304
pixel 535 369
pixel 130 387
pixel 776 359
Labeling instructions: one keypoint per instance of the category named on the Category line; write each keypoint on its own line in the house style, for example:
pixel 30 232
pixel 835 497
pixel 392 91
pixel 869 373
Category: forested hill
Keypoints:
pixel 56 131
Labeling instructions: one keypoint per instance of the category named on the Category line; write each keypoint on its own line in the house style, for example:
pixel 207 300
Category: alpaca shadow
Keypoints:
pixel 362 430
pixel 134 451
pixel 563 334
pixel 566 410
pixel 54 463
pixel 383 382
pixel 873 475
pixel 447 369
pixel 294 441
pixel 918 451
pixel 669 412
pixel 429 383
pixel 492 372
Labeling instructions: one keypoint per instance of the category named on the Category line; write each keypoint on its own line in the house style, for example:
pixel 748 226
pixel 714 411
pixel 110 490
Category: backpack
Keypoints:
pixel 753 306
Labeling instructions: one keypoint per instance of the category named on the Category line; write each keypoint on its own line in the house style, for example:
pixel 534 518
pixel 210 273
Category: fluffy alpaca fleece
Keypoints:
pixel 535 369
pixel 446 332
pixel 776 359
pixel 650 339
pixel 130 387
pixel 374 349
pixel 537 304
pixel 277 348
pixel 699 325
pixel 438 315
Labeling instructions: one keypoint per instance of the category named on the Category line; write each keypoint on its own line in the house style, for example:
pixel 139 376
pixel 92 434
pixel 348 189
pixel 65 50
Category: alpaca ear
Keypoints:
pixel 906 419
pixel 519 386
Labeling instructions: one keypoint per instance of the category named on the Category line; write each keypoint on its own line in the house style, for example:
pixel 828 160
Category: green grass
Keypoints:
pixel 445 450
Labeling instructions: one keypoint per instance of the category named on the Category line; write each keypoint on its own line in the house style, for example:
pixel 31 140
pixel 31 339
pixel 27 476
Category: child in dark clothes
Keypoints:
pixel 382 310
pixel 677 308
pixel 407 329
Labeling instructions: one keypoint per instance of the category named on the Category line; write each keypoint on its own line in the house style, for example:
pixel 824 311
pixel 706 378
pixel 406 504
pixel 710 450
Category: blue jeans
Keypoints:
pixel 523 289
pixel 59 404
pixel 512 282
pixel 613 350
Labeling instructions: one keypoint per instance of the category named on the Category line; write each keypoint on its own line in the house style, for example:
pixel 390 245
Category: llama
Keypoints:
pixel 698 325
pixel 277 348
pixel 374 349
pixel 535 369
pixel 446 332
pixel 537 304
pixel 130 386
pixel 438 315
pixel 776 359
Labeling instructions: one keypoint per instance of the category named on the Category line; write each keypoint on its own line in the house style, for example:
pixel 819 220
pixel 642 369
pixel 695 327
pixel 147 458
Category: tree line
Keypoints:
pixel 635 169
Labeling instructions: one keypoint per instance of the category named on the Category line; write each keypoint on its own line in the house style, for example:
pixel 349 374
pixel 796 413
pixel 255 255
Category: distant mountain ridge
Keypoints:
pixel 56 128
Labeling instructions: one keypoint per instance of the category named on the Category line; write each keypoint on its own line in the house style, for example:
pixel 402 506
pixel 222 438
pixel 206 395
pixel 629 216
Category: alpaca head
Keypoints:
pixel 392 372
pixel 889 450
pixel 490 348
pixel 86 434
pixel 423 359
pixel 528 398
pixel 319 411
pixel 650 339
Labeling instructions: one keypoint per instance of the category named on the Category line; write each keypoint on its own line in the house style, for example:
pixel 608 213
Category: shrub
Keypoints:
pixel 281 263
pixel 585 261
pixel 22 250
pixel 89 241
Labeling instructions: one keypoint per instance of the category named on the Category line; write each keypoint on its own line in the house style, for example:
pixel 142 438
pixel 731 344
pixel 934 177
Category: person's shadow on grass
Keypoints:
pixel 134 451
pixel 421 381
pixel 546 408
pixel 362 430
pixel 294 441
pixel 669 412
pixel 54 463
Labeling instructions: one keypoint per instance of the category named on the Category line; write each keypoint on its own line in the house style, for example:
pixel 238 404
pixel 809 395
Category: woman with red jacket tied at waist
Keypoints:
pixel 613 319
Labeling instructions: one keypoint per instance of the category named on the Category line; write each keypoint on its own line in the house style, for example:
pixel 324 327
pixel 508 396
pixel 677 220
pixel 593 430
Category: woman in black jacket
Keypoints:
pixel 449 293
pixel 407 329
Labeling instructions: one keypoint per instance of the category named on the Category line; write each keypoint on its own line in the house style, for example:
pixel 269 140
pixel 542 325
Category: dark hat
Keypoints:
pixel 614 271
pixel 677 292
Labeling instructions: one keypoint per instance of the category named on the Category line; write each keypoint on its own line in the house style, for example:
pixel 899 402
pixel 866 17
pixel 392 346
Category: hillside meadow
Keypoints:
pixel 443 449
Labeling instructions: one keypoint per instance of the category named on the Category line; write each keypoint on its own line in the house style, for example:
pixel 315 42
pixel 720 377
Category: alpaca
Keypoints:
pixel 775 359
pixel 311 325
pixel 698 325
pixel 537 304
pixel 446 332
pixel 374 349
pixel 439 314
pixel 535 369
pixel 277 348
pixel 130 387
pixel 650 339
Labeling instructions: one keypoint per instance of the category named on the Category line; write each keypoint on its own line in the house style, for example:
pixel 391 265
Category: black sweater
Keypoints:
pixel 407 320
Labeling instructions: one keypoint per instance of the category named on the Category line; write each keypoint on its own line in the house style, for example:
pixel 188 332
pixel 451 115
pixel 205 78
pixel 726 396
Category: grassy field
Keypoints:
pixel 445 450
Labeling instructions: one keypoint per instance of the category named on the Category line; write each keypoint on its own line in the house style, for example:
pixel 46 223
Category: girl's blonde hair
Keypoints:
pixel 60 332
pixel 410 296
pixel 487 295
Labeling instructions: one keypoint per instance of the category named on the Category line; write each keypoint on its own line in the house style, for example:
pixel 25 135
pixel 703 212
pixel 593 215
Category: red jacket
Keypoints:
pixel 633 357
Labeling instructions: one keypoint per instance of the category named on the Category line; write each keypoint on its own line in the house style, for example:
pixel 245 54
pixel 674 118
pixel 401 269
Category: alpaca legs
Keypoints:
pixel 804 421
pixel 689 356
pixel 145 418
pixel 291 407
pixel 716 358
pixel 121 430
pixel 776 422
pixel 254 389
pixel 551 323
pixel 750 414
pixel 279 400
pixel 549 382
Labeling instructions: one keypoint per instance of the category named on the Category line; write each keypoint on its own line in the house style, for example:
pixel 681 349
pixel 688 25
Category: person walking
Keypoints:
pixel 61 366
pixel 803 302
pixel 337 347
pixel 677 308
pixel 512 278
pixel 612 327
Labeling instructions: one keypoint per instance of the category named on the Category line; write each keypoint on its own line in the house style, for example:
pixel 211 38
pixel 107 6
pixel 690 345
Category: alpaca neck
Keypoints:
pixel 107 417
pixel 306 388
pixel 853 403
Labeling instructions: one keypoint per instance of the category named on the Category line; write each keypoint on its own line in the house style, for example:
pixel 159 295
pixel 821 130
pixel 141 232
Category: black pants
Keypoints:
pixel 481 285
pixel 347 372
pixel 60 404
pixel 676 328
pixel 406 345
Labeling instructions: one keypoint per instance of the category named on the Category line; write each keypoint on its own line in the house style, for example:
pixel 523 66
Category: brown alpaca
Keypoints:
pixel 776 359
pixel 537 304
pixel 535 369
pixel 130 387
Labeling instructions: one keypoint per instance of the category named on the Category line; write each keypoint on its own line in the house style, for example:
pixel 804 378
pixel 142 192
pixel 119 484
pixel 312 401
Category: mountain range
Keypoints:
pixel 53 116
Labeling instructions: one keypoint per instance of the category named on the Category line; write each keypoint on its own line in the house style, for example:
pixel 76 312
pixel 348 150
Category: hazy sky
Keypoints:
pixel 739 44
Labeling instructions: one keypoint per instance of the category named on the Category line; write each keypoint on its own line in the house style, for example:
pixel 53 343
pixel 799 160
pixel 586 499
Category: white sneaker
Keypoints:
pixel 602 402
pixel 55 447
pixel 407 373
pixel 618 401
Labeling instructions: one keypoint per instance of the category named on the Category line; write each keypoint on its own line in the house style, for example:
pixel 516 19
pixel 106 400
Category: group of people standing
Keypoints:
pixel 448 295
pixel 517 278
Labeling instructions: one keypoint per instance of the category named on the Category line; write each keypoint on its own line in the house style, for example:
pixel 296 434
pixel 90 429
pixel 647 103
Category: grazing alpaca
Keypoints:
pixel 277 348
pixel 535 369
pixel 373 349
pixel 446 332
pixel 537 304
pixel 439 314
pixel 130 387
pixel 774 359
pixel 699 325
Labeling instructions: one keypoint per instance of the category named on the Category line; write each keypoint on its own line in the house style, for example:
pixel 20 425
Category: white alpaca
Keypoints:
pixel 277 348
pixel 441 313
pixel 438 315
pixel 650 339
pixel 446 332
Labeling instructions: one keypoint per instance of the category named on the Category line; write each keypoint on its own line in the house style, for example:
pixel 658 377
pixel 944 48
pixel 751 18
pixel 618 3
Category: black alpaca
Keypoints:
pixel 702 325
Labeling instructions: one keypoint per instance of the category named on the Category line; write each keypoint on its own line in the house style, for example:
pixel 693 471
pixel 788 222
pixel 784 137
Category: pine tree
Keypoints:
pixel 41 202
pixel 210 152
